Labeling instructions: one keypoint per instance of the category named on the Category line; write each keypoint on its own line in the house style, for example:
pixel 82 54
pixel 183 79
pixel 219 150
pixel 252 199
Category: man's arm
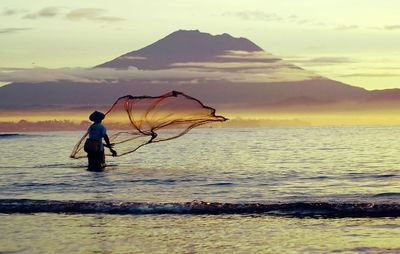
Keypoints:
pixel 109 145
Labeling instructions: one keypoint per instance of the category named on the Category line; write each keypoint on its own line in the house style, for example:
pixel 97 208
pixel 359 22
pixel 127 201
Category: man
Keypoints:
pixel 94 144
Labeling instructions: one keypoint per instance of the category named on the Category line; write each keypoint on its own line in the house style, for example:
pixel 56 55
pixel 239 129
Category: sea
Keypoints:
pixel 332 189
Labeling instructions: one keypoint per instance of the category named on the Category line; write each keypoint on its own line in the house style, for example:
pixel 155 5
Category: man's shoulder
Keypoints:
pixel 99 126
pixel 103 128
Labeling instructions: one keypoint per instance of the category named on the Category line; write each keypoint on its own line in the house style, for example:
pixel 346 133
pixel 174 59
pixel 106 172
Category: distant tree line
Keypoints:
pixel 67 125
pixel 48 125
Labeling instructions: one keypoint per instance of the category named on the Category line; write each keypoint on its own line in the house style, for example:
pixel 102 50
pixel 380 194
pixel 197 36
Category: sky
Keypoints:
pixel 353 41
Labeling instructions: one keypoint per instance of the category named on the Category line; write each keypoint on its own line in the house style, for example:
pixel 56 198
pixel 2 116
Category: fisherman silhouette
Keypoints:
pixel 94 146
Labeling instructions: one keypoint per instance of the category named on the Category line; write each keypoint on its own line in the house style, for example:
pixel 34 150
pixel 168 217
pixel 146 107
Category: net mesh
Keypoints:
pixel 134 121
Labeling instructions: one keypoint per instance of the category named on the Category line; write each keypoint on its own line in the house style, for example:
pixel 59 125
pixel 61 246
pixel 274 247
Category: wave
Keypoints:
pixel 388 195
pixel 295 209
pixel 62 165
pixel 11 135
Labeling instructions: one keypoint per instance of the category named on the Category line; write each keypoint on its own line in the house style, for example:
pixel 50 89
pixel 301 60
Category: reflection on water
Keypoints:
pixel 335 164
pixel 196 234
pixel 222 165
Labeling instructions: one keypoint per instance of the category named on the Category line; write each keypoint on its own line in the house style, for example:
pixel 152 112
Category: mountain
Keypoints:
pixel 388 95
pixel 220 70
pixel 182 46
pixel 223 94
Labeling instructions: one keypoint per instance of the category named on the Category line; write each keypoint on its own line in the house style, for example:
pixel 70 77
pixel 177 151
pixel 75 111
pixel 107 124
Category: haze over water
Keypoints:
pixel 275 165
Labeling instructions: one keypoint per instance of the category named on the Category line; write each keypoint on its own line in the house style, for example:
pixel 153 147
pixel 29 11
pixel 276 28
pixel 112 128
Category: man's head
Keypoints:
pixel 96 117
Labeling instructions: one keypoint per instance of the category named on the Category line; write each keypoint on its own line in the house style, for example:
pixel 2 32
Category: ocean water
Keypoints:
pixel 272 190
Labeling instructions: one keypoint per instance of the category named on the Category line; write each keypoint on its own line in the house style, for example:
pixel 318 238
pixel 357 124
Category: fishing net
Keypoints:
pixel 134 121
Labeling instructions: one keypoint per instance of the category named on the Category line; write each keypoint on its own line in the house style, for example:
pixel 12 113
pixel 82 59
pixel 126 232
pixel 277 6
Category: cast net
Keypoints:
pixel 134 121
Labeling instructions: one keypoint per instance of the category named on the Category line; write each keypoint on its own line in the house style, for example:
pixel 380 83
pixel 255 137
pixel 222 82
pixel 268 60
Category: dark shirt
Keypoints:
pixel 96 132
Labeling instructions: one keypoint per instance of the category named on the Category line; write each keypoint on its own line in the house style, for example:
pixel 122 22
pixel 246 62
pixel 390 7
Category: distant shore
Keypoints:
pixel 67 125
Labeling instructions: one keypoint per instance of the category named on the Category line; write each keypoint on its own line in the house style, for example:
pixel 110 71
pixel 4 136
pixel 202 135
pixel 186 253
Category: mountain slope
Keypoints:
pixel 181 46
pixel 218 93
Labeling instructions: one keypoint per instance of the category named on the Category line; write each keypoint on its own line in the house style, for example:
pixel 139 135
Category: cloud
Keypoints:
pixel 321 60
pixel 392 27
pixel 244 63
pixel 234 66
pixel 331 60
pixel 388 68
pixel 93 14
pixel 8 12
pixel 304 21
pixel 282 74
pixel 234 72
pixel 246 55
pixel 95 75
pixel 11 30
pixel 133 57
pixel 11 12
pixel 385 28
pixel 370 75
pixel 228 66
pixel 346 27
pixel 254 15
pixel 48 12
